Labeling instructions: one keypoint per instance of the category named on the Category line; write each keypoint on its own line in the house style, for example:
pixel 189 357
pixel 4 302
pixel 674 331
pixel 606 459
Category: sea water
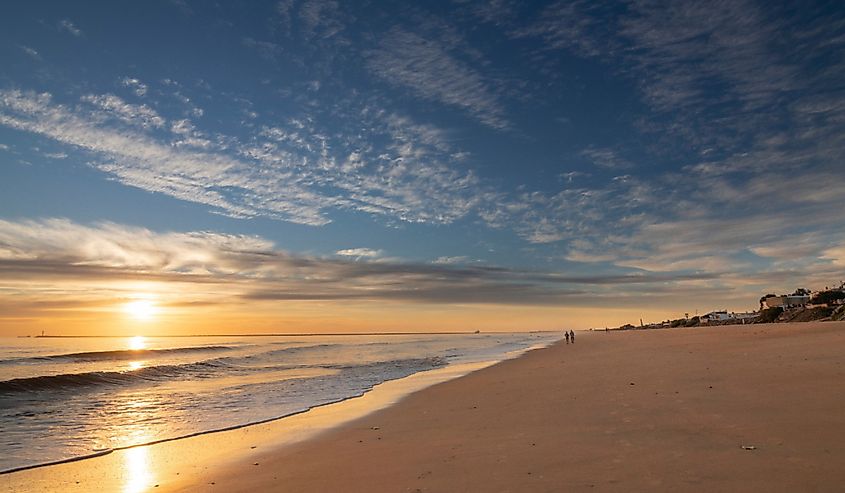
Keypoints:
pixel 62 398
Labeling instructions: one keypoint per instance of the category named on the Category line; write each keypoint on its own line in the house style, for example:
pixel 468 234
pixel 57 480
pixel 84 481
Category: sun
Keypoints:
pixel 142 310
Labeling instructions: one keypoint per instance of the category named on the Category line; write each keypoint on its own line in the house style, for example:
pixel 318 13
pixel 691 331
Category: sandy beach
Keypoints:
pixel 733 408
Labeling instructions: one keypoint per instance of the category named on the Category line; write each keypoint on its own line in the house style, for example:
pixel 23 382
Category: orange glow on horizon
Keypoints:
pixel 134 309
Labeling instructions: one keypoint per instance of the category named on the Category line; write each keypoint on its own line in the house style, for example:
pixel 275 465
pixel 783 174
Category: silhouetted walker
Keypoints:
pixel 567 337
pixel 571 336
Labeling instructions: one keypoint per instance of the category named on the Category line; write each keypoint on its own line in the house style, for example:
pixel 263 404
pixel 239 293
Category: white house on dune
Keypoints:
pixel 724 316
pixel 786 301
pixel 717 316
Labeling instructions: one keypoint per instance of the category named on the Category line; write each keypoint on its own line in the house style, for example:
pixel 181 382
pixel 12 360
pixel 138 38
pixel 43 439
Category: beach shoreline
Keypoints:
pixel 160 463
pixel 742 408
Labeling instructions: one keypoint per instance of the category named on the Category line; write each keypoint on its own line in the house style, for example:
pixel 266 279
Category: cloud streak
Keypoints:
pixel 430 71
pixel 252 268
pixel 31 52
pixel 68 26
pixel 359 253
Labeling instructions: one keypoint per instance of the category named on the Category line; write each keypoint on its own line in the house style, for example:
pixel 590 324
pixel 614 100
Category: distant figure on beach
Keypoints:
pixel 567 337
pixel 572 336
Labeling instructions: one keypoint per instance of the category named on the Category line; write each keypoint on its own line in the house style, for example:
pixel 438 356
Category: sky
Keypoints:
pixel 172 167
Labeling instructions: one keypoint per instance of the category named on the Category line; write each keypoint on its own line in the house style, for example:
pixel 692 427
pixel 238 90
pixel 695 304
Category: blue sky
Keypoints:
pixel 560 153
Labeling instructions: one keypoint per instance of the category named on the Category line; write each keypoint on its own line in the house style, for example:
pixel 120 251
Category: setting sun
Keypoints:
pixel 142 310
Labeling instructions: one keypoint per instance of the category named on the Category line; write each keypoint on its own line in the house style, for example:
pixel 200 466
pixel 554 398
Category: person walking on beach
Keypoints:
pixel 571 336
pixel 567 337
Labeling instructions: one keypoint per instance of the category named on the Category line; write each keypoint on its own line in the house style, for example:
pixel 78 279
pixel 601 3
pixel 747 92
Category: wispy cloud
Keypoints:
pixel 606 158
pixel 68 26
pixel 572 25
pixel 31 52
pixel 113 245
pixel 138 87
pixel 136 158
pixel 360 253
pixel 320 29
pixel 571 176
pixel 718 72
pixel 111 106
pixel 293 174
pixel 683 51
pixel 575 213
pixel 321 18
pixel 493 11
pixel 836 255
pixel 759 126
pixel 458 259
pixel 427 68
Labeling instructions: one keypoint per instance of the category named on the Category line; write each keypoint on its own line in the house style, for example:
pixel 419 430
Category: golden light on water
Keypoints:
pixel 136 365
pixel 137 342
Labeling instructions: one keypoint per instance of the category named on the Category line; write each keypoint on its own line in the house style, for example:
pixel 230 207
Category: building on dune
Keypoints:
pixel 786 301
pixel 720 316
pixel 716 316
pixel 745 316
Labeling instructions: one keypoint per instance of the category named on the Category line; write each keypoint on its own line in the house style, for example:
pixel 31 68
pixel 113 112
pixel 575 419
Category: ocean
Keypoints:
pixel 62 398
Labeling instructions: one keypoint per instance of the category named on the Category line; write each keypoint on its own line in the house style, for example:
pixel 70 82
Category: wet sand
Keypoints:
pixel 742 408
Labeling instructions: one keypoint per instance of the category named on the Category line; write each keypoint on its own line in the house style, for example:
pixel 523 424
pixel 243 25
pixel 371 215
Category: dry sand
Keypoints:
pixel 653 410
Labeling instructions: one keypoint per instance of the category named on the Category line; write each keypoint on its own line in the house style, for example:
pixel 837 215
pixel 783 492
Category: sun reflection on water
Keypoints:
pixel 132 414
pixel 136 343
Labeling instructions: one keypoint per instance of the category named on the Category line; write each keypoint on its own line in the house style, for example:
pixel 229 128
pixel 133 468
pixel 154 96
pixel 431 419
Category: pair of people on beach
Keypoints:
pixel 570 336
